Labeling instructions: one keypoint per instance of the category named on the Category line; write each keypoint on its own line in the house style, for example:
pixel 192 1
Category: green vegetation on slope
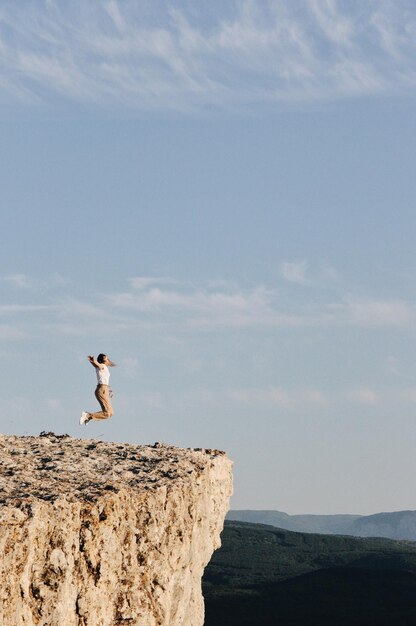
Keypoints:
pixel 264 575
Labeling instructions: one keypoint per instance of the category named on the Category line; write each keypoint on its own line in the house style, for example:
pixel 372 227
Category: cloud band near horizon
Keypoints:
pixel 165 304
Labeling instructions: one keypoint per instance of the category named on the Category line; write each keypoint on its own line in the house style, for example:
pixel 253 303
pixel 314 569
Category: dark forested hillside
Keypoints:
pixel 264 575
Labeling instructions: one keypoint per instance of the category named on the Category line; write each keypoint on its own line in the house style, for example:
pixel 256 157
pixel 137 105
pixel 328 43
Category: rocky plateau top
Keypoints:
pixel 50 465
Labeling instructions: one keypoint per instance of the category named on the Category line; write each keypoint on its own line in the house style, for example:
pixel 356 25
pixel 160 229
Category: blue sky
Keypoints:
pixel 222 199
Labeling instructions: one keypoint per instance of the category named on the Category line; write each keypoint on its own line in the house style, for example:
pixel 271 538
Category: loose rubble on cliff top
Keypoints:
pixel 50 465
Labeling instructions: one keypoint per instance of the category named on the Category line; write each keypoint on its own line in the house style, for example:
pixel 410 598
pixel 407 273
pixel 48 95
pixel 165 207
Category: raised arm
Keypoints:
pixel 94 362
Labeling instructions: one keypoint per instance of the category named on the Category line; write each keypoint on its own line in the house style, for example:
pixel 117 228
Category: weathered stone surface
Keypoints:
pixel 100 534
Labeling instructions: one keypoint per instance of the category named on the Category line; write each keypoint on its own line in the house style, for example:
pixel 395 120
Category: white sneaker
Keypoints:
pixel 84 418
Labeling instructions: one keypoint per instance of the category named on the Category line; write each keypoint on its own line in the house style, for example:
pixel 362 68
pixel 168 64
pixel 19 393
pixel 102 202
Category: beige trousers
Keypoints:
pixel 102 393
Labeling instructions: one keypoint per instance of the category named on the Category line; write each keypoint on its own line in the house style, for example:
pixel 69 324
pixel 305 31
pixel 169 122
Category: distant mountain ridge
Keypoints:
pixel 397 525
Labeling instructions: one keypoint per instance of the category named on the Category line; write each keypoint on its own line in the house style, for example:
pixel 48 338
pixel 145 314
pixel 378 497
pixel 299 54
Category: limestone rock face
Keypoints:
pixel 101 534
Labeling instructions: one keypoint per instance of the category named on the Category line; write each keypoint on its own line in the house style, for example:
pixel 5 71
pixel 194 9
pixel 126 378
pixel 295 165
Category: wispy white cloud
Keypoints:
pixel 294 272
pixel 364 395
pixel 322 275
pixel 377 313
pixel 184 56
pixel 277 397
pixel 29 283
pixel 197 300
pixel 335 25
pixel 260 399
pixel 328 272
pixel 14 309
pixel 274 396
pixel 199 307
pixel 18 280
pixel 408 395
pixel 53 403
pixel 130 362
pixel 313 396
pixel 168 306
pixel 141 282
pixel 381 397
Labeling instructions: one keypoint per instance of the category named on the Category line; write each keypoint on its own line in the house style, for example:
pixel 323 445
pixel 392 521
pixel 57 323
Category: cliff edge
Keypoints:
pixel 105 534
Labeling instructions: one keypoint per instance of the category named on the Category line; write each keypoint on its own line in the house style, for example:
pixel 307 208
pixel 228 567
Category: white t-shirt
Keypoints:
pixel 103 375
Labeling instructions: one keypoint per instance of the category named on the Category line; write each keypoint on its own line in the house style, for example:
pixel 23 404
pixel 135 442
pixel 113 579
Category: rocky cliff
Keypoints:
pixel 100 534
